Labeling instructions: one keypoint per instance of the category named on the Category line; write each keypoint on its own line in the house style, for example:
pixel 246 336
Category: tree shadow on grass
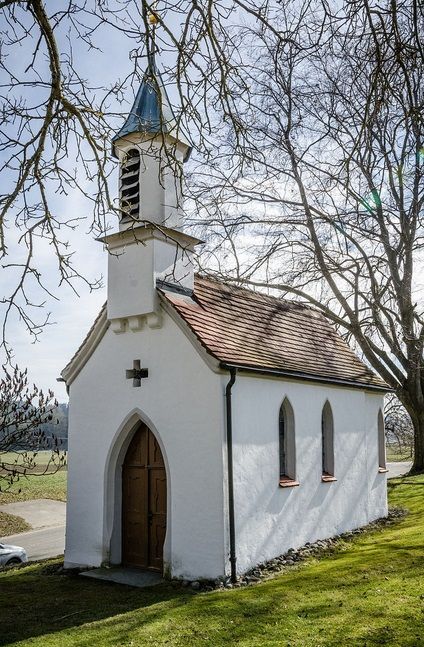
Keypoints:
pixel 318 604
pixel 35 602
pixel 367 594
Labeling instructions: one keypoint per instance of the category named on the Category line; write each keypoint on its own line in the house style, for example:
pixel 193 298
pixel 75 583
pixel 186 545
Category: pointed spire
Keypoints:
pixel 151 112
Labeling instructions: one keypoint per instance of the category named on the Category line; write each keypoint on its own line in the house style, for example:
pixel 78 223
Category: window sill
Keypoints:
pixel 382 470
pixel 327 478
pixel 286 482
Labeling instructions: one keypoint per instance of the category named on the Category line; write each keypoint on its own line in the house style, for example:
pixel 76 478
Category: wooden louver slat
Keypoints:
pixel 130 184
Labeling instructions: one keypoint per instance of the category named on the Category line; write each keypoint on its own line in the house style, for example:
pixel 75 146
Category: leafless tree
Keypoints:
pixel 398 427
pixel 307 119
pixel 319 191
pixel 57 121
pixel 23 411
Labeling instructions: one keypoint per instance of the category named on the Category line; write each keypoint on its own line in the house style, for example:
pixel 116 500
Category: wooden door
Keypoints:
pixel 143 502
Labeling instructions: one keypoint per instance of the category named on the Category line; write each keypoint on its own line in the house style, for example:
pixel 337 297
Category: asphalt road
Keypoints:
pixel 40 544
pixel 39 513
pixel 47 517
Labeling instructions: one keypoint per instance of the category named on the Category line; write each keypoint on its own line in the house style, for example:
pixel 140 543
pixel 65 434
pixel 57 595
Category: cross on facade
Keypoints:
pixel 136 373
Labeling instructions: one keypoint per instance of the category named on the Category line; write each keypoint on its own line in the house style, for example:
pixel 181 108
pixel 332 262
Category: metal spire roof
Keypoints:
pixel 151 112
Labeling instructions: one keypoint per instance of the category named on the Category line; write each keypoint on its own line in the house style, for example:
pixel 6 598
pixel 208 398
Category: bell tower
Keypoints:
pixel 150 248
pixel 151 149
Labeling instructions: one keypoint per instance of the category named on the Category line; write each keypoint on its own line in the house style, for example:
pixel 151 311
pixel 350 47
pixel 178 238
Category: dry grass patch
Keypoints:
pixel 12 525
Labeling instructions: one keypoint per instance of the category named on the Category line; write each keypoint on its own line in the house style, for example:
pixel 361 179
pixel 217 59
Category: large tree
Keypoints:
pixel 318 191
pixel 307 119
pixel 398 428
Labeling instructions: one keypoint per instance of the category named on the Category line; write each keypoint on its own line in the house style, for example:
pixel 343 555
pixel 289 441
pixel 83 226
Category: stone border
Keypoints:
pixel 293 557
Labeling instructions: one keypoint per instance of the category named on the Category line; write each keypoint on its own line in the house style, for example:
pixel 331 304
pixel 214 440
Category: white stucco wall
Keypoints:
pixel 132 273
pixel 271 519
pixel 182 402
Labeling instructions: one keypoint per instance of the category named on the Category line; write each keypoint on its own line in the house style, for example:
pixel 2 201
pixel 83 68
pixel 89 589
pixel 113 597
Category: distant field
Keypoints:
pixel 42 458
pixel 394 455
pixel 36 486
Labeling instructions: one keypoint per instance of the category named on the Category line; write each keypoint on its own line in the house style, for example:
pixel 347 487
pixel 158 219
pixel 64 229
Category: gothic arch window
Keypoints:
pixel 287 442
pixel 327 442
pixel 381 442
pixel 130 184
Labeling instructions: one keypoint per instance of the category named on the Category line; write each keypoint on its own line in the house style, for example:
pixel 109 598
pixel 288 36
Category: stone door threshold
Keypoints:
pixel 128 576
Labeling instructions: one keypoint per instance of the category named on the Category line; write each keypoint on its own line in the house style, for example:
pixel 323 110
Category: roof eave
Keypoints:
pixel 87 348
pixel 295 375
pixel 152 134
pixel 209 358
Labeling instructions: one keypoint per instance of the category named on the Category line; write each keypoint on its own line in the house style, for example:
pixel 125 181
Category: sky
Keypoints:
pixel 71 318
pixel 72 315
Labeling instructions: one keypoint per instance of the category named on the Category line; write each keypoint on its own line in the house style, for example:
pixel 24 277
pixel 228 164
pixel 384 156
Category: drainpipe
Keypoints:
pixel 233 557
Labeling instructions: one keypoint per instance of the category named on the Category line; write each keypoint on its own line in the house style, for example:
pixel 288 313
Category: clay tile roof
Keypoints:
pixel 249 329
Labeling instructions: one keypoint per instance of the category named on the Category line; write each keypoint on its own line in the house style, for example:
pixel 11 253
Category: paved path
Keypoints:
pixel 398 469
pixel 39 513
pixel 47 517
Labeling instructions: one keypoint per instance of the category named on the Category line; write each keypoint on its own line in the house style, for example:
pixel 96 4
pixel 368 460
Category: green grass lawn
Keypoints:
pixel 369 593
pixel 46 486
pixel 35 486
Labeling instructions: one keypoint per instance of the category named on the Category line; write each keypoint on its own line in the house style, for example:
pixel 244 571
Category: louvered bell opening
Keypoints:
pixel 130 184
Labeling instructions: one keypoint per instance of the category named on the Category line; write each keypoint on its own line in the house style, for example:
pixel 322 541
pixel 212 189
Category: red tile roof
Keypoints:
pixel 249 329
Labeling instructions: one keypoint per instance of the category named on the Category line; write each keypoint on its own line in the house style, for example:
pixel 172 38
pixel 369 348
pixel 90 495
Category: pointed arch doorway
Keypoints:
pixel 143 502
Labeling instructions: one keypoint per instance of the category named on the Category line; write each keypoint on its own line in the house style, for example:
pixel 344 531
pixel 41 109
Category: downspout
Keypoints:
pixel 233 557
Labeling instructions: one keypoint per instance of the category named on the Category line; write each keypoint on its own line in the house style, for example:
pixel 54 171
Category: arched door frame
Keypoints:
pixel 113 491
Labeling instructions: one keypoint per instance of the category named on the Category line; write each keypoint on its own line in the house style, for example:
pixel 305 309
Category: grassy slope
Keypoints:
pixel 11 525
pixel 372 593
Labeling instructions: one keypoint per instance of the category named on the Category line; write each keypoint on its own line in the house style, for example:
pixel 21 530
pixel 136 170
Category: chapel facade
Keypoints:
pixel 211 427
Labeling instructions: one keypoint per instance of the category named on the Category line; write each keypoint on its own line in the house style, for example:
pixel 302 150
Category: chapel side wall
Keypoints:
pixel 377 484
pixel 271 519
pixel 182 401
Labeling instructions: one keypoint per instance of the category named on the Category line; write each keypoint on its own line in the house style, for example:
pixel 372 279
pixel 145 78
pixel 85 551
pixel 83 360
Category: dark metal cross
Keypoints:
pixel 136 373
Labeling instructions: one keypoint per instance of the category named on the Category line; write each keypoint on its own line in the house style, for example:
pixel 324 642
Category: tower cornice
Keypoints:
pixel 144 231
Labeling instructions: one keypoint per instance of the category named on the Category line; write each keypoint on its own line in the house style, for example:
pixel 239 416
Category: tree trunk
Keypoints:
pixel 416 413
pixel 418 464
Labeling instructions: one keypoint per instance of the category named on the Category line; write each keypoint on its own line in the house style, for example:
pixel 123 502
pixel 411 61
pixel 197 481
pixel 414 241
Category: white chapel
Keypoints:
pixel 211 427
